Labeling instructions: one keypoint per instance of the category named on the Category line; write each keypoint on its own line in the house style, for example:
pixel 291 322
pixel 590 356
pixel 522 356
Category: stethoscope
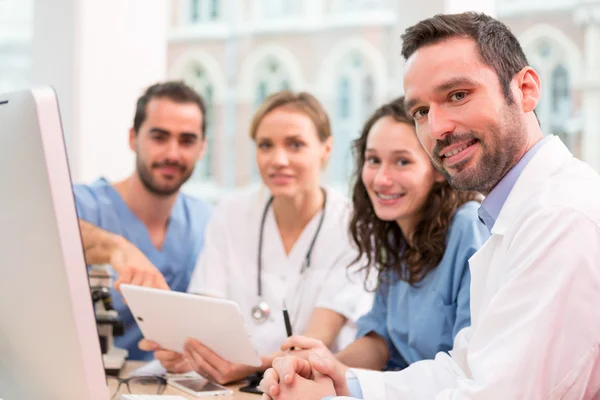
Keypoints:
pixel 261 311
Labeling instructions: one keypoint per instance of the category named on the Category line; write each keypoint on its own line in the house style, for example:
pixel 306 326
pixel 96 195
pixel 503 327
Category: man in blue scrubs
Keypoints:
pixel 149 232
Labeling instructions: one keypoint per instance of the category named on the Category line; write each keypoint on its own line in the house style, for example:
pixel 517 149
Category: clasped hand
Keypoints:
pixel 292 377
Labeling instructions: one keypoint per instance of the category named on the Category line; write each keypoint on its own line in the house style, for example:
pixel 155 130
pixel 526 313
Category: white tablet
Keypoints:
pixel 170 318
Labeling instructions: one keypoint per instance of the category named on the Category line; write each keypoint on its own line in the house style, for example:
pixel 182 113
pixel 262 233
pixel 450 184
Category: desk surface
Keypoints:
pixel 237 395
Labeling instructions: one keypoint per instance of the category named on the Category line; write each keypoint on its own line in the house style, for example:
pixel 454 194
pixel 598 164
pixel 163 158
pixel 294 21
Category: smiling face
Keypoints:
pixel 465 123
pixel 167 145
pixel 289 152
pixel 397 173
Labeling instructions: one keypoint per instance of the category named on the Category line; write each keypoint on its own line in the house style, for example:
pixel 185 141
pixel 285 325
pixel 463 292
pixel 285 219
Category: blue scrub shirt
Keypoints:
pixel 419 321
pixel 100 204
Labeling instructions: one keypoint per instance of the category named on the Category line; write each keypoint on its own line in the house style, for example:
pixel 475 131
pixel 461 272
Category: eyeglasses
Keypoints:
pixel 150 384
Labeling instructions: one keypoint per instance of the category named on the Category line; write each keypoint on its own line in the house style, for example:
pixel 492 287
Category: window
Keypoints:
pixel 214 9
pixel 344 98
pixel 261 93
pixel 354 100
pixel 368 93
pixel 561 98
pixel 203 10
pixel 197 77
pixel 271 9
pixel 555 109
pixel 272 77
pixel 195 10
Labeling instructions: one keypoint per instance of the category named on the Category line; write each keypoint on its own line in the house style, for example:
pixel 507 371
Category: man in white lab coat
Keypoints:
pixel 535 291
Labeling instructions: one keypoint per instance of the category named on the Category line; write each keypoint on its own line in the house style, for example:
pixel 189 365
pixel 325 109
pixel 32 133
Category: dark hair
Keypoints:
pixel 302 102
pixel 498 47
pixel 176 91
pixel 382 242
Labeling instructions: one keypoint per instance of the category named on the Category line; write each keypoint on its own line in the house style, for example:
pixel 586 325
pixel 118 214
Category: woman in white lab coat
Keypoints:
pixel 286 243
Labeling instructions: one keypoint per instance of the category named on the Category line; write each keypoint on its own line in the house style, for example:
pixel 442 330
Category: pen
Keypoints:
pixel 286 319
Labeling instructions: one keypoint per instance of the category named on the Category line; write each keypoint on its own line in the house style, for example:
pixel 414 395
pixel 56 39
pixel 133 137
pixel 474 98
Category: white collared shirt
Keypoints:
pixel 535 299
pixel 228 267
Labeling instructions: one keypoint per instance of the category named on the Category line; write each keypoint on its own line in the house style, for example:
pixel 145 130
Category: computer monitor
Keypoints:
pixel 49 346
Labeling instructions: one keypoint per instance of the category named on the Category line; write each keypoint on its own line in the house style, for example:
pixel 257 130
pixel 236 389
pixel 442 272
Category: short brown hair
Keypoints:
pixel 382 247
pixel 176 91
pixel 498 47
pixel 302 102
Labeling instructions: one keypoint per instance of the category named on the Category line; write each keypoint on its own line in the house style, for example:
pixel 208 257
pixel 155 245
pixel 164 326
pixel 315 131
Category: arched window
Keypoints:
pixel 272 9
pixel 344 98
pixel 203 10
pixel 354 98
pixel 555 108
pixel 561 96
pixel 195 10
pixel 196 76
pixel 272 77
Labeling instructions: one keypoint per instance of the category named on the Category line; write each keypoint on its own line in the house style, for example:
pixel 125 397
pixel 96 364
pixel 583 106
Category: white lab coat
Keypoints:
pixel 227 267
pixel 535 299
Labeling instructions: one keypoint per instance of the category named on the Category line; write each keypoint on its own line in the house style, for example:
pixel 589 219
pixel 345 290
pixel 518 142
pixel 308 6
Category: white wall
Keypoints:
pixel 99 55
pixel 15 20
pixel 458 6
pixel 512 8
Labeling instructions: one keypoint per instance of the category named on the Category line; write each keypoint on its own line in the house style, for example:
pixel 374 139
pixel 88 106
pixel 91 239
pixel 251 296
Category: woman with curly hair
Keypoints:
pixel 416 233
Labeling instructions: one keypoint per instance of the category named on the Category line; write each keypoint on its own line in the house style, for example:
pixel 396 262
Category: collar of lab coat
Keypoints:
pixel 544 164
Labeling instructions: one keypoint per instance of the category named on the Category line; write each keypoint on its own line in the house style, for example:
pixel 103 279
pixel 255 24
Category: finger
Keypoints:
pixel 322 365
pixel 148 279
pixel 124 277
pixel 269 384
pixel 207 354
pixel 137 278
pixel 202 367
pixel 160 282
pixel 288 367
pixel 167 356
pixel 148 345
pixel 117 260
pixel 182 366
pixel 301 342
pixel 118 283
pixel 265 397
pixel 330 368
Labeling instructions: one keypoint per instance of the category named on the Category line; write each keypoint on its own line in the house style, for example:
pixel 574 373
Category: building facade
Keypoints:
pixel 562 41
pixel 235 57
pixel 346 52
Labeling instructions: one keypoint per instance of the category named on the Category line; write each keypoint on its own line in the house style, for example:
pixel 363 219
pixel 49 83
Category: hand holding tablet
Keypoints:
pixel 170 318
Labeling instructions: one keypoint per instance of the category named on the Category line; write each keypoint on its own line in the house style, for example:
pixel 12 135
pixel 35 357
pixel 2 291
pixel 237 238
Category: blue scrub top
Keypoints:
pixel 418 322
pixel 101 205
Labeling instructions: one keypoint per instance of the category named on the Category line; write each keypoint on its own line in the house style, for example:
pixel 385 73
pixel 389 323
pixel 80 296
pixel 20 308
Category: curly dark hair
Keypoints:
pixel 382 242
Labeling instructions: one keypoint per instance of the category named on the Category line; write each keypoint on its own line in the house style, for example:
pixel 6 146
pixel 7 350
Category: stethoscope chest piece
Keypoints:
pixel 261 311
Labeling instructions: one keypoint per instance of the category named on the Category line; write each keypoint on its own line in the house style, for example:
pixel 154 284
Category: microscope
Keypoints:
pixel 107 318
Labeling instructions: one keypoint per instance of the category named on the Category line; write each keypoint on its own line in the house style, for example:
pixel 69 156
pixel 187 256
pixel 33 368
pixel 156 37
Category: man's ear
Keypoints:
pixel 132 139
pixel 529 85
pixel 203 146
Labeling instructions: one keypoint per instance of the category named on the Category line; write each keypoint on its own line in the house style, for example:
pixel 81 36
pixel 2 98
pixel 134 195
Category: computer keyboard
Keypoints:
pixel 150 397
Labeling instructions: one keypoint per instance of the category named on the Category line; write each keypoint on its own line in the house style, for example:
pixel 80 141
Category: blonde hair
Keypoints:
pixel 302 102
